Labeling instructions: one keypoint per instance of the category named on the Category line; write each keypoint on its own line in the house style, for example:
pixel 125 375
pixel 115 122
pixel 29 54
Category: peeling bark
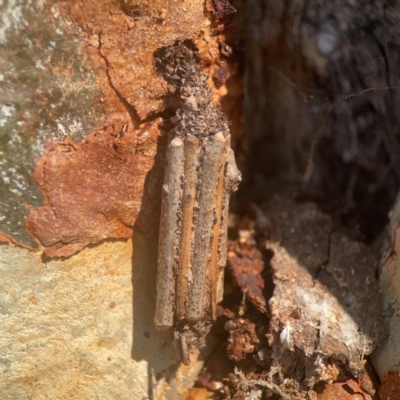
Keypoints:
pixel 114 49
pixel 82 153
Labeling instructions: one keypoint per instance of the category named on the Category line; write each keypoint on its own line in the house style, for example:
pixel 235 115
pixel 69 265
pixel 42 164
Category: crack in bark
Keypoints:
pixel 129 108
pixel 136 121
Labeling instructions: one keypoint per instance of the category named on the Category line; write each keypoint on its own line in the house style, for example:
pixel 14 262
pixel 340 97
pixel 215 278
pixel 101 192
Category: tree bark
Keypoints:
pixel 83 150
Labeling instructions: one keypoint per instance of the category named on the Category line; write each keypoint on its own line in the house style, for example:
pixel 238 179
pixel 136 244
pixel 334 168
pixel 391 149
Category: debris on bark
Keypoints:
pixel 221 8
pixel 324 282
pixel 317 333
pixel 218 367
pixel 242 338
pixel 245 264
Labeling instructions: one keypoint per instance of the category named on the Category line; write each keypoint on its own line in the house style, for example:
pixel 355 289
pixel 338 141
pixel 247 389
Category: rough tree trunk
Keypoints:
pixel 82 152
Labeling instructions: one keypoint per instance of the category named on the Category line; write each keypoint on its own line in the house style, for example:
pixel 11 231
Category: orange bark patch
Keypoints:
pixel 93 190
pixel 122 38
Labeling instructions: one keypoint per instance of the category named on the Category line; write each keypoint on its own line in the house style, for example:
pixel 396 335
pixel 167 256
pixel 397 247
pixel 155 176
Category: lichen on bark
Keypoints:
pixel 48 94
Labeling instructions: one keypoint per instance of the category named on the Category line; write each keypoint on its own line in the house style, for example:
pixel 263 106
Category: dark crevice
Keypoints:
pixel 353 137
pixel 355 173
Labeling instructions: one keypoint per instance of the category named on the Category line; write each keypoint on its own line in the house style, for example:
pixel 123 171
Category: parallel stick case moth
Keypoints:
pixel 200 174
